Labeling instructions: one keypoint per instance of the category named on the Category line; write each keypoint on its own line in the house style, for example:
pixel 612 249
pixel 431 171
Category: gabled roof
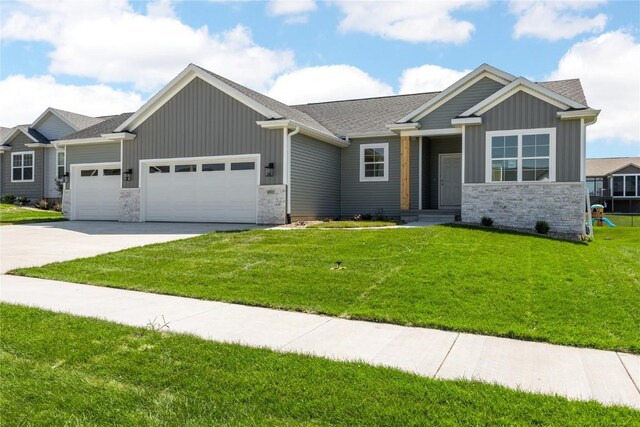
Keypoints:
pixel 75 120
pixel 35 136
pixel 108 125
pixel 268 107
pixel 571 88
pixel 484 70
pixel 4 132
pixel 607 166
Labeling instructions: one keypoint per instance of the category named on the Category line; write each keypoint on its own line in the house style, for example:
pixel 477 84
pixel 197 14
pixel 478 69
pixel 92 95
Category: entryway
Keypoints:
pixel 450 190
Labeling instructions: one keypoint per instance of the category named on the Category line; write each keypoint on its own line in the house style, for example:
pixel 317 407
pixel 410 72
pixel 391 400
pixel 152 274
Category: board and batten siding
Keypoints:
pixel 315 178
pixel 376 197
pixel 54 128
pixel 91 153
pixel 440 118
pixel 524 111
pixel 199 121
pixel 31 190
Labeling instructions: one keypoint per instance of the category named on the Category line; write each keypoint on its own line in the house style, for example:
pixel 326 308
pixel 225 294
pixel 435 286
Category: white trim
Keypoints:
pixel 583 150
pixel 385 177
pixel 373 134
pixel 577 114
pixel 4 148
pixel 37 145
pixel 127 136
pixel 484 70
pixel 466 121
pixel 73 214
pixel 464 130
pixel 306 130
pixel 420 172
pixel 524 85
pixel 121 161
pixel 432 132
pixel 178 83
pixel 82 141
pixel 440 156
pixel 55 113
pixel 519 133
pixel 288 149
pixel 402 126
pixel 10 136
pixel 624 185
pixel 33 166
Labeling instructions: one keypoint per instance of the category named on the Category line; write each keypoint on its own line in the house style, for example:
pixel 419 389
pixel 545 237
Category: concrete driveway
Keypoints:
pixel 37 244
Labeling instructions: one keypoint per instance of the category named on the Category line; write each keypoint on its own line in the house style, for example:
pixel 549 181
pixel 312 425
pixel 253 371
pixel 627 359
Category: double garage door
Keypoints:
pixel 186 190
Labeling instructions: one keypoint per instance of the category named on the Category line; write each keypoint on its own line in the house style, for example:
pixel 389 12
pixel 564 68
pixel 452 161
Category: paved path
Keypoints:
pixel 28 245
pixel 586 374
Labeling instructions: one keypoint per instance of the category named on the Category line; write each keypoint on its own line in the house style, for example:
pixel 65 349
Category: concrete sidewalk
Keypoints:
pixel 585 374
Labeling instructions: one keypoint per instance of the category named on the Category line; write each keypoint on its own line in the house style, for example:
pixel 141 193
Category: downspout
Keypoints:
pixel 288 170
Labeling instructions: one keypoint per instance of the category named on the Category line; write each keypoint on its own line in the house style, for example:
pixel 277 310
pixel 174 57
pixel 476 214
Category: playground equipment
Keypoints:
pixel 597 214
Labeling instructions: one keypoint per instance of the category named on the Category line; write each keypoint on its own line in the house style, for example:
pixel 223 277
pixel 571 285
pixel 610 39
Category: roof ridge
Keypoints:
pixel 369 97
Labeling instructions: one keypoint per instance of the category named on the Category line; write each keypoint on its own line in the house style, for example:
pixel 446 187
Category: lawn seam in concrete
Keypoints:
pixel 637 386
pixel 446 355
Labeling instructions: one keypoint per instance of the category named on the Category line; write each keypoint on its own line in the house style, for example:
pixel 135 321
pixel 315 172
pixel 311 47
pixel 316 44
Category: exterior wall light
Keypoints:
pixel 127 174
pixel 65 178
pixel 268 170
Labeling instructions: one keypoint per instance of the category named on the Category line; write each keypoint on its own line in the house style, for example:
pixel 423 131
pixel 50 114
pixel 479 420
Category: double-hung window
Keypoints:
pixel 22 167
pixel 374 162
pixel 526 155
pixel 60 163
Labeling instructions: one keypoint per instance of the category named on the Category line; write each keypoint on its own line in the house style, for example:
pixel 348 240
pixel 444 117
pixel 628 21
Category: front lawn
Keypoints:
pixel 446 277
pixel 57 369
pixel 11 214
pixel 352 224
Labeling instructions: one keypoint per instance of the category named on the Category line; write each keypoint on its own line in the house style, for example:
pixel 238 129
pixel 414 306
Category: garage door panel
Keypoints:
pixel 217 194
pixel 96 195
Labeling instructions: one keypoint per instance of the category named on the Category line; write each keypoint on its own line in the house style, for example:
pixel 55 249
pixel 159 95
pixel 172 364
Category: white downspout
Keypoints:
pixel 287 168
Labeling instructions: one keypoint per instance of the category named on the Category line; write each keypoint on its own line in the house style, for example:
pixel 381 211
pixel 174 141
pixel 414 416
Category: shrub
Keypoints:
pixel 8 198
pixel 361 217
pixel 57 207
pixel 43 204
pixel 329 219
pixel 22 201
pixel 486 221
pixel 382 218
pixel 542 227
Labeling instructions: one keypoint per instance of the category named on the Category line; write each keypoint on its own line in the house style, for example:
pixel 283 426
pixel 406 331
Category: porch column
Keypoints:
pixel 405 172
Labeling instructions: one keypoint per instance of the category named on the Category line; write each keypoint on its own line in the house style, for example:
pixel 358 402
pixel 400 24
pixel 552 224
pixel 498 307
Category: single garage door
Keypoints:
pixel 202 190
pixel 95 192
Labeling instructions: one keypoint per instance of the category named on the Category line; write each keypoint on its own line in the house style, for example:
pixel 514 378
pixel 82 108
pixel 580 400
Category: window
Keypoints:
pixel 60 163
pixel 526 155
pixel 243 166
pixel 89 172
pixel 595 186
pixel 159 169
pixel 626 185
pixel 22 167
pixel 374 162
pixel 185 168
pixel 211 167
pixel 111 172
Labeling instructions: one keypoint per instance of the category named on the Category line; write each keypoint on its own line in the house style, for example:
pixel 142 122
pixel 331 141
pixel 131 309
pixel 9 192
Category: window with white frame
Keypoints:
pixel 626 185
pixel 60 163
pixel 22 167
pixel 374 162
pixel 526 155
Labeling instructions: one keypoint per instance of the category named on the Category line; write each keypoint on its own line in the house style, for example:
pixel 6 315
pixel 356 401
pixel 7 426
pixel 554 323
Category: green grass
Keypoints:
pixel 58 369
pixel 623 220
pixel 11 214
pixel 446 277
pixel 352 224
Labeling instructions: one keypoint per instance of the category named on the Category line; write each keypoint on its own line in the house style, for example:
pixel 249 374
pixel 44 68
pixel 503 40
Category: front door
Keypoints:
pixel 450 180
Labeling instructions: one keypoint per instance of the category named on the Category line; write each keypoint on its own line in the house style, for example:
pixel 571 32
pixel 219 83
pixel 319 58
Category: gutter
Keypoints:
pixel 288 170
pixel 306 130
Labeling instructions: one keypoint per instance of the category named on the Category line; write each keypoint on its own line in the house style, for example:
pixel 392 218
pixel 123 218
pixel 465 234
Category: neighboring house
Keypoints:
pixel 615 183
pixel 29 162
pixel 205 148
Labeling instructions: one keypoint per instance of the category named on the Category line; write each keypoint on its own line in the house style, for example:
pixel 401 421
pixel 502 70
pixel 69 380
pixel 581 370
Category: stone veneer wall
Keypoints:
pixel 520 205
pixel 130 205
pixel 66 203
pixel 272 204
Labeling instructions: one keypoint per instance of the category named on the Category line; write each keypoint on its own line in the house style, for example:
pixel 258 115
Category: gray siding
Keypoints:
pixel 629 169
pixel 201 121
pixel 54 128
pixel 315 178
pixel 31 190
pixel 370 197
pixel 523 111
pixel 437 146
pixel 93 153
pixel 440 118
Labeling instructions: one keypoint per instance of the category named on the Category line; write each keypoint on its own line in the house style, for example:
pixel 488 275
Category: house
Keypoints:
pixel 29 162
pixel 615 183
pixel 205 148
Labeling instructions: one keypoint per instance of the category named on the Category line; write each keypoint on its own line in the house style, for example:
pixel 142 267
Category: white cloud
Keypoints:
pixel 608 66
pixel 296 11
pixel 429 78
pixel 556 19
pixel 326 83
pixel 110 42
pixel 408 20
pixel 35 94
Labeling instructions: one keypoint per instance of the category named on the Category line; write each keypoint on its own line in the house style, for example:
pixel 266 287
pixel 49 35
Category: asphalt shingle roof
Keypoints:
pixel 80 121
pixel 603 167
pixel 108 125
pixel 4 132
pixel 571 88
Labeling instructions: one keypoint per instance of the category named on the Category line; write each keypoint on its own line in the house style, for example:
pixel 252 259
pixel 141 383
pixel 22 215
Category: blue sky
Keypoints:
pixel 108 57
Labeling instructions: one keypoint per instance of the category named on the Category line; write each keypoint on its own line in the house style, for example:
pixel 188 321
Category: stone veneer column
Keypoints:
pixel 66 203
pixel 130 205
pixel 272 204
pixel 520 205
